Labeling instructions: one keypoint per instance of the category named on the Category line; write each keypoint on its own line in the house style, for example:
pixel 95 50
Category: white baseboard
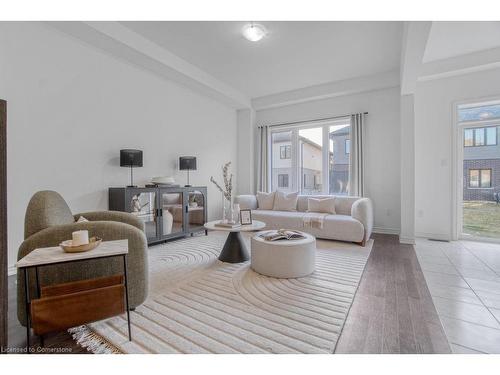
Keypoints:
pixel 12 270
pixel 433 236
pixel 381 230
pixel 407 240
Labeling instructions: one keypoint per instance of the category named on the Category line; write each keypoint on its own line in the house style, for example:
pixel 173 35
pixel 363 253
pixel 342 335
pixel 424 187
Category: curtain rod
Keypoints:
pixel 306 121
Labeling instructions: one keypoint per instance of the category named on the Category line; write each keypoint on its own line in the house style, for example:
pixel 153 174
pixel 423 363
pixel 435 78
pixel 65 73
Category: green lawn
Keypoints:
pixel 481 219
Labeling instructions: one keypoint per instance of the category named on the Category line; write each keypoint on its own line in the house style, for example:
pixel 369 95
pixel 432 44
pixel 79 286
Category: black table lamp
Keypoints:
pixel 187 163
pixel 131 158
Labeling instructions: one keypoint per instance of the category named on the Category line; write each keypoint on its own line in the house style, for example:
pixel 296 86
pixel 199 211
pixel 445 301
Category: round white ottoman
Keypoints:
pixel 283 259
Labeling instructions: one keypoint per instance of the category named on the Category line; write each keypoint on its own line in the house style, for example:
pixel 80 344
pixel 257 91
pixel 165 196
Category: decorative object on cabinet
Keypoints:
pixel 163 181
pixel 167 212
pixel 187 163
pixel 131 158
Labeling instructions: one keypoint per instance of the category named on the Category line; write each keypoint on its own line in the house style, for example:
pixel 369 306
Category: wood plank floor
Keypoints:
pixel 392 312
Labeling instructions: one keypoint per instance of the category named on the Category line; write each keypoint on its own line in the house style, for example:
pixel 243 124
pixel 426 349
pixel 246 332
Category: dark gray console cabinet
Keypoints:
pixel 167 212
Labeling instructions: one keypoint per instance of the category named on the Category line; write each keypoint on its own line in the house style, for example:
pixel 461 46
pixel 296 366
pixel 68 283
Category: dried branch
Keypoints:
pixel 228 183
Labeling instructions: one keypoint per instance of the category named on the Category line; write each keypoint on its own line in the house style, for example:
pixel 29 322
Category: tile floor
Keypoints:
pixel 464 280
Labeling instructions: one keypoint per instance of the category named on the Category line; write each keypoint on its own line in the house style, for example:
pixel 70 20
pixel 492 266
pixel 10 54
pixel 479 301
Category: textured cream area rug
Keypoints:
pixel 198 304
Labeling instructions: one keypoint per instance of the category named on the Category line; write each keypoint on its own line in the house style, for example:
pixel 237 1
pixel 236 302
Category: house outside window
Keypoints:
pixel 313 158
pixel 480 178
pixel 282 180
pixel 286 152
pixel 480 137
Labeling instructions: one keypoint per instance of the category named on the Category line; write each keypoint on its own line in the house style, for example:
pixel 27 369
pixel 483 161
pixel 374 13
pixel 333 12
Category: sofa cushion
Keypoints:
pixel 343 204
pixel 336 227
pixel 279 219
pixel 285 202
pixel 323 205
pixel 265 201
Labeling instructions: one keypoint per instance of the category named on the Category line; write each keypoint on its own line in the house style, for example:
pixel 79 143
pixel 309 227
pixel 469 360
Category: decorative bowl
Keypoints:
pixel 68 248
pixel 164 180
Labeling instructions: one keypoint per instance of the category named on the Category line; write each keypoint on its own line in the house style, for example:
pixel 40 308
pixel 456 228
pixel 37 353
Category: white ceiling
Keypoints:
pixel 450 39
pixel 294 55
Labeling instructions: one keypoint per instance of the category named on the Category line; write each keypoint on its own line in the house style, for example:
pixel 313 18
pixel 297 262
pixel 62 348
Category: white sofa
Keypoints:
pixel 353 221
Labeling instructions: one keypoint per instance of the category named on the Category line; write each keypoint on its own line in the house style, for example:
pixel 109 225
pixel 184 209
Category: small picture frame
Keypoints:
pixel 246 217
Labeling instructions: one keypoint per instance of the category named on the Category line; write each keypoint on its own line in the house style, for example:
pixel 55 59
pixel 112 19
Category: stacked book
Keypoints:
pixel 229 225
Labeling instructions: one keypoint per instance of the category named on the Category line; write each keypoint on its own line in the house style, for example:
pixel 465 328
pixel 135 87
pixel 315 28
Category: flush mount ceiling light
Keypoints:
pixel 254 32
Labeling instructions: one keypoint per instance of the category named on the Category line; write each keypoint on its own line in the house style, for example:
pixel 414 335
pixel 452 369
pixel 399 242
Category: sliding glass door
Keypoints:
pixel 478 171
pixel 311 159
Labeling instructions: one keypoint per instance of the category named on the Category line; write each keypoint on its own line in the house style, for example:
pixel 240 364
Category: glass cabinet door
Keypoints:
pixel 143 205
pixel 172 206
pixel 196 209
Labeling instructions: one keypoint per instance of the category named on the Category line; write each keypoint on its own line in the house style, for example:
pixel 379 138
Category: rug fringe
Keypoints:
pixel 94 343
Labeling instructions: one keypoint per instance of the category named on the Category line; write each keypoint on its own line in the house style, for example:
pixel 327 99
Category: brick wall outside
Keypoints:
pixel 478 194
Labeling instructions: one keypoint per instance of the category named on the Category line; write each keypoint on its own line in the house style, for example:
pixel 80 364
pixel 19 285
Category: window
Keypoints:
pixel 311 159
pixel 491 136
pixel 286 152
pixel 476 112
pixel 480 178
pixel 340 148
pixel 480 136
pixel 468 137
pixel 283 180
pixel 474 178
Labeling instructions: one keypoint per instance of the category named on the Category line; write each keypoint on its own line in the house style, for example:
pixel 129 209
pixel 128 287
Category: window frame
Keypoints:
pixel 296 178
pixel 283 175
pixel 480 178
pixel 484 130
pixel 288 155
pixel 459 175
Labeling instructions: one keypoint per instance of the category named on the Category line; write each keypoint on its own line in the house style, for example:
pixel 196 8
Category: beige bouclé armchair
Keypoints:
pixel 49 221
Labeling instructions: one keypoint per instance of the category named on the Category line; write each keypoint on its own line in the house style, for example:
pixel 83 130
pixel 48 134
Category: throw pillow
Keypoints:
pixel 322 205
pixel 265 201
pixel 285 202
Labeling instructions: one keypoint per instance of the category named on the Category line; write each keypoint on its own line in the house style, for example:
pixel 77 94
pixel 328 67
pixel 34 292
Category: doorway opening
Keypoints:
pixel 478 171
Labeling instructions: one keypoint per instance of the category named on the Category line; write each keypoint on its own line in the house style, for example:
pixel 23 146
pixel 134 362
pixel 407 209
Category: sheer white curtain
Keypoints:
pixel 263 158
pixel 356 156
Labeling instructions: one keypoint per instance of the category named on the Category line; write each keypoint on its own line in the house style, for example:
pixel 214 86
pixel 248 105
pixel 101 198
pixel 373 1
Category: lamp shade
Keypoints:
pixel 187 162
pixel 130 158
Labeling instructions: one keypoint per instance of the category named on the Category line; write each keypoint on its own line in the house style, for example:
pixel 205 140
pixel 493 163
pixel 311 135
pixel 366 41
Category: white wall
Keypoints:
pixel 246 137
pixel 382 143
pixel 434 101
pixel 407 112
pixel 71 108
